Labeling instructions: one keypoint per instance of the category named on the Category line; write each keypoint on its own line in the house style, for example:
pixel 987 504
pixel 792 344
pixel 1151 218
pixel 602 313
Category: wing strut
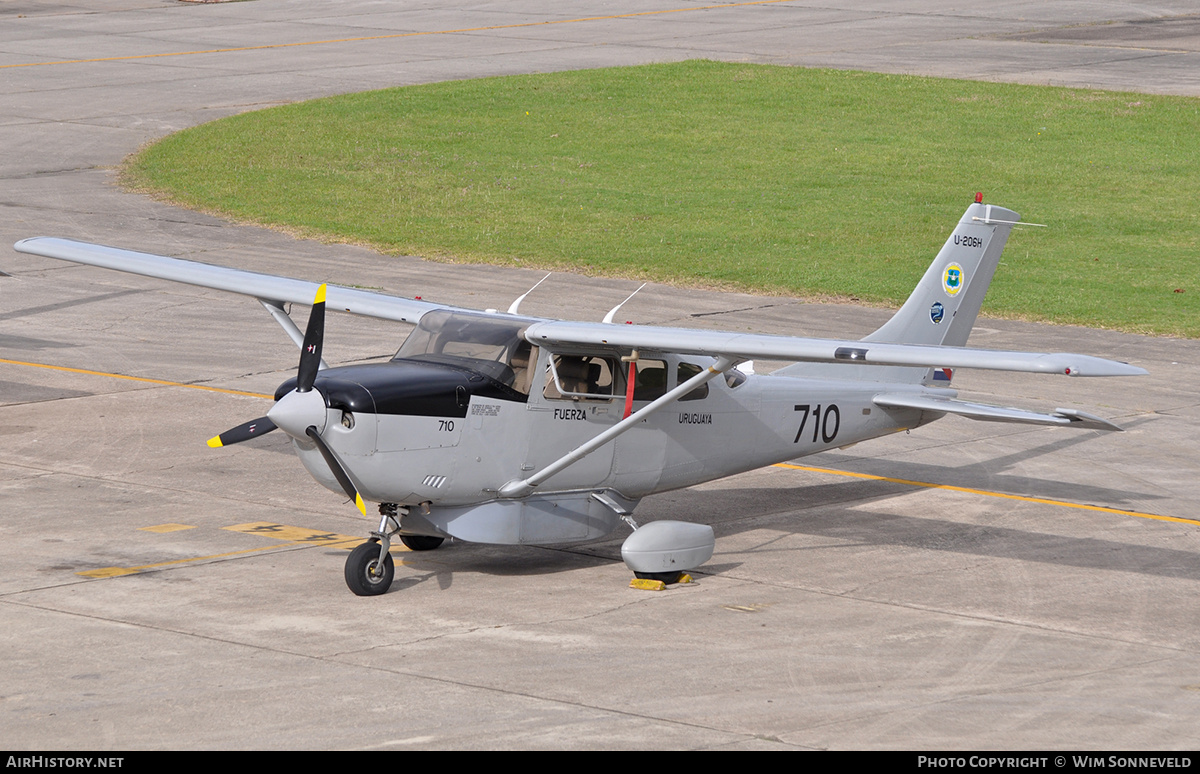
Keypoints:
pixel 523 487
pixel 287 323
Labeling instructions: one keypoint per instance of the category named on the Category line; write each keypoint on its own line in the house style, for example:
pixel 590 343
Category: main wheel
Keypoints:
pixel 364 575
pixel 421 542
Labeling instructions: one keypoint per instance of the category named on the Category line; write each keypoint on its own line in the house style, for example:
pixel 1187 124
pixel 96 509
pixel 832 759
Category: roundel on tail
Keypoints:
pixel 953 279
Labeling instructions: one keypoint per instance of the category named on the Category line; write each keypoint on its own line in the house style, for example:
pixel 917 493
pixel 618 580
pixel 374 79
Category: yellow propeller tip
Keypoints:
pixel 362 507
pixel 320 299
pixel 215 442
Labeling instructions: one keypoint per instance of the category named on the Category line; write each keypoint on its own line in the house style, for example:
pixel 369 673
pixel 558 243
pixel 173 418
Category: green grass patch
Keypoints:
pixel 771 179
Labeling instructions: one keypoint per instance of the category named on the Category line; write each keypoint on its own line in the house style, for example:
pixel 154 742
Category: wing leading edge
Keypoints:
pixel 263 286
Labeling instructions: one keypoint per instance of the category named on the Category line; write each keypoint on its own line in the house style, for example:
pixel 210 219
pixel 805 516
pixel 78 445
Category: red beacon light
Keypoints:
pixel 979 197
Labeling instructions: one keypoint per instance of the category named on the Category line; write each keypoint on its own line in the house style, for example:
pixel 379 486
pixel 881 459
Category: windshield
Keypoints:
pixel 489 344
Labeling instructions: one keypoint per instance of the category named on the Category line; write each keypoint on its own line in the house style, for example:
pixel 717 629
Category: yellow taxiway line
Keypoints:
pixel 293 536
pixel 989 493
pixel 137 379
pixel 113 572
pixel 396 35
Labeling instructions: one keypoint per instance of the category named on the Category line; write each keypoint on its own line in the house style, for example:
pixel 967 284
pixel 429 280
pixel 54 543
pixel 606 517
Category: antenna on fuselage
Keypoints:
pixel 515 304
pixel 609 317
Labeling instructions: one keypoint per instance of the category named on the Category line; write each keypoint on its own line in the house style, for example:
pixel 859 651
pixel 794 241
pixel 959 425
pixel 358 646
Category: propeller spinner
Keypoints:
pixel 301 413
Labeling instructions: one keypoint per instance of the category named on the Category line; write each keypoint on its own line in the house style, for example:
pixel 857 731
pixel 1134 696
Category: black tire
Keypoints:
pixel 666 577
pixel 362 570
pixel 421 542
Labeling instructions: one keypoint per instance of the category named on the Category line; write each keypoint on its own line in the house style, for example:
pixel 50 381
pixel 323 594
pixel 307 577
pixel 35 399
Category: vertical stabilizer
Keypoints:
pixel 943 307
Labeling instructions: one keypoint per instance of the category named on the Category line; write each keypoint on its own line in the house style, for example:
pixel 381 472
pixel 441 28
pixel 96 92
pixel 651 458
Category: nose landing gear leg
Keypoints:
pixel 369 568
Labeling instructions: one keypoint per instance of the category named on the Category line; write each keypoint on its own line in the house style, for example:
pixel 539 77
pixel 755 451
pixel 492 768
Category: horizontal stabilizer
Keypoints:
pixel 986 413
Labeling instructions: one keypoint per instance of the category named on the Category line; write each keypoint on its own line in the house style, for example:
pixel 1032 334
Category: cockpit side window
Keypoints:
pixel 581 378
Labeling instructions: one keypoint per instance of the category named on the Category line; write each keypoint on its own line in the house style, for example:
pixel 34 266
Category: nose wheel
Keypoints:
pixel 367 574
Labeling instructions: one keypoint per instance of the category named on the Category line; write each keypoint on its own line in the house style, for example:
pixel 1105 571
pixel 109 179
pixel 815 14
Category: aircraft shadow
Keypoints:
pixel 820 512
pixel 988 474
pixel 33 310
pixel 439 566
pixel 863 528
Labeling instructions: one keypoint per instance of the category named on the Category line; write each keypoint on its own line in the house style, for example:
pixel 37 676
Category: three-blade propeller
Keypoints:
pixel 301 413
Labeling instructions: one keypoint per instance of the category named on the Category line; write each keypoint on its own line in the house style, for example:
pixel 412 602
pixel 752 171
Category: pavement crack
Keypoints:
pixel 740 309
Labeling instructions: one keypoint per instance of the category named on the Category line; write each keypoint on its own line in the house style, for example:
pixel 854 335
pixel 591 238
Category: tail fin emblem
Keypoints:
pixel 952 279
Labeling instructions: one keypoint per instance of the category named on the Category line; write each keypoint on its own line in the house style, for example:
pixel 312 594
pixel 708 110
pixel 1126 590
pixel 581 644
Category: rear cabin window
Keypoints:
pixel 651 380
pixel 686 371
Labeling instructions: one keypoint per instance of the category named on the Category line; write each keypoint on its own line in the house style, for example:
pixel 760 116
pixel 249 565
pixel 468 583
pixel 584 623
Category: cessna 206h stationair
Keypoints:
pixel 501 428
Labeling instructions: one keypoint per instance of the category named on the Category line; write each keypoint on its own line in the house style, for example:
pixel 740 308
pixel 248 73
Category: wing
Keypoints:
pixel 267 287
pixel 745 346
pixel 737 346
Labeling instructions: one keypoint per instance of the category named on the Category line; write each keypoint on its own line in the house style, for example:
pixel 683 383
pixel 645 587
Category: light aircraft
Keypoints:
pixel 494 427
